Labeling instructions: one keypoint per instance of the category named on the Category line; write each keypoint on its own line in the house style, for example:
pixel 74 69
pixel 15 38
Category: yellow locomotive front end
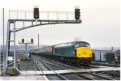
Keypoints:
pixel 84 53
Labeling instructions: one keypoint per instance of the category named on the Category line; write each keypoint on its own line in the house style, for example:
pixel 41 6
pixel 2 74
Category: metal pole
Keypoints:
pixel 26 51
pixel 3 46
pixel 14 46
pixel 100 55
pixel 38 43
pixel 7 43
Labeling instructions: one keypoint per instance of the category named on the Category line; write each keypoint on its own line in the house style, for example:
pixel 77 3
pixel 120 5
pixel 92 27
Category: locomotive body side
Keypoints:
pixel 64 51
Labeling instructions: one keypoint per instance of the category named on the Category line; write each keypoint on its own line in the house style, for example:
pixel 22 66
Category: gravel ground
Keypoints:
pixel 26 66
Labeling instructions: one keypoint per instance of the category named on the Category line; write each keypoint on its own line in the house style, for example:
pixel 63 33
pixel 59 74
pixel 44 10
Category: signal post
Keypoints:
pixel 26 43
pixel 36 18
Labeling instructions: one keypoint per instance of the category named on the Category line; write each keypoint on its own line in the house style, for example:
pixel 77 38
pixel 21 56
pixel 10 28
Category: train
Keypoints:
pixel 78 52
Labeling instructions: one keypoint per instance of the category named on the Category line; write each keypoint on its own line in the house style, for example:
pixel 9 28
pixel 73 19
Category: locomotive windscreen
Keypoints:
pixel 82 44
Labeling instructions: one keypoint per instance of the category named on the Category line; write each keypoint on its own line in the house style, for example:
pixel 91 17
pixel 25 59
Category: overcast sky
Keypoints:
pixel 100 22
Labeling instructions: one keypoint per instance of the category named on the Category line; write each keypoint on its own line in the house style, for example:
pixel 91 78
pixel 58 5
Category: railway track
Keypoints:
pixel 45 64
pixel 40 64
pixel 67 65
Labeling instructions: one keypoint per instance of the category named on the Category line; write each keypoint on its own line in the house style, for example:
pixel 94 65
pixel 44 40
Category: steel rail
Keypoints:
pixel 102 77
pixel 63 78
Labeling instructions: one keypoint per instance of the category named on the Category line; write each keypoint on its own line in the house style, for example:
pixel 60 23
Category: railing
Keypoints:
pixel 46 15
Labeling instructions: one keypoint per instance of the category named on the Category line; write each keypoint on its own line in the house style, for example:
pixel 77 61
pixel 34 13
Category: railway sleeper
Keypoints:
pixel 86 77
pixel 113 74
pixel 104 77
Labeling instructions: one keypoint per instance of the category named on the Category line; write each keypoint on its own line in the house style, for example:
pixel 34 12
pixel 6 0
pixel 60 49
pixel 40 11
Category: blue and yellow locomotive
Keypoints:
pixel 78 52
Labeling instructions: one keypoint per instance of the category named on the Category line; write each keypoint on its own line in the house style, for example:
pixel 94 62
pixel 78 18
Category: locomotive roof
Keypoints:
pixel 68 44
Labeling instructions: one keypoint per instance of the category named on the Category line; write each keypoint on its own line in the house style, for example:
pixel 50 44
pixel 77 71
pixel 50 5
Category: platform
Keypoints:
pixel 25 66
pixel 31 77
pixel 24 77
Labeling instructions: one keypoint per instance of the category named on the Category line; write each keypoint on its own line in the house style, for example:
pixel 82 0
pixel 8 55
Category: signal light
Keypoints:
pixel 77 14
pixel 22 40
pixel 36 13
pixel 32 41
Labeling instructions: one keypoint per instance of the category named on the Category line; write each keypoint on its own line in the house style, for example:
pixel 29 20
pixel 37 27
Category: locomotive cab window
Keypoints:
pixel 84 44
pixel 87 45
pixel 77 45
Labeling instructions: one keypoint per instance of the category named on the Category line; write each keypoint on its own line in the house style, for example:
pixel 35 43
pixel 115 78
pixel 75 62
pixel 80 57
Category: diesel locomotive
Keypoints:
pixel 78 52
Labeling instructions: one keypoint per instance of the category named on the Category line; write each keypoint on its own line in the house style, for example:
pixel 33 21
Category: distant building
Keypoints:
pixel 100 55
